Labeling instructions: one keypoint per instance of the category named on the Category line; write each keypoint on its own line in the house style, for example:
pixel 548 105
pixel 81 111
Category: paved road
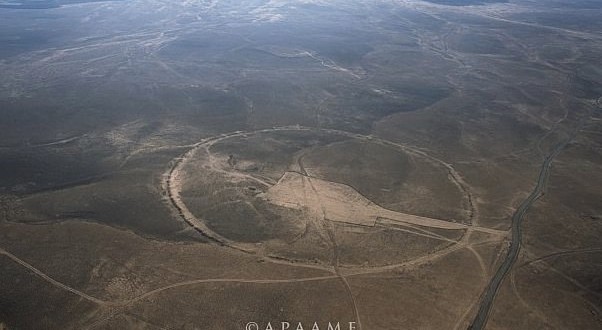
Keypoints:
pixel 517 218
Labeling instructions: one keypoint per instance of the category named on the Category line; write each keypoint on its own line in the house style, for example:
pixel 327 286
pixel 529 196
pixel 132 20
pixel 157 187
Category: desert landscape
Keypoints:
pixel 300 164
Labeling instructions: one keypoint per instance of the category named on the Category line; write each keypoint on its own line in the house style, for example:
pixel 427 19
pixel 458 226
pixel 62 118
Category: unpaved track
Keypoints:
pixel 117 307
pixel 172 185
pixel 51 280
pixel 342 203
pixel 562 253
pixel 227 280
pixel 172 182
pixel 333 242
pixel 418 261
pixel 416 231
pixel 158 290
pixel 122 306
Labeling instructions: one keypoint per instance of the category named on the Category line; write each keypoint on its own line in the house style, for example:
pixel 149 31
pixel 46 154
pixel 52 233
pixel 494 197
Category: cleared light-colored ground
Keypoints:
pixel 341 203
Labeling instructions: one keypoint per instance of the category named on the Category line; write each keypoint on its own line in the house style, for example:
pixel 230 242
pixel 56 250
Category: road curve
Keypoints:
pixel 480 319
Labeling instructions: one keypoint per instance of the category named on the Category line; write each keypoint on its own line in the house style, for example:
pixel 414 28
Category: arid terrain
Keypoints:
pixel 208 164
